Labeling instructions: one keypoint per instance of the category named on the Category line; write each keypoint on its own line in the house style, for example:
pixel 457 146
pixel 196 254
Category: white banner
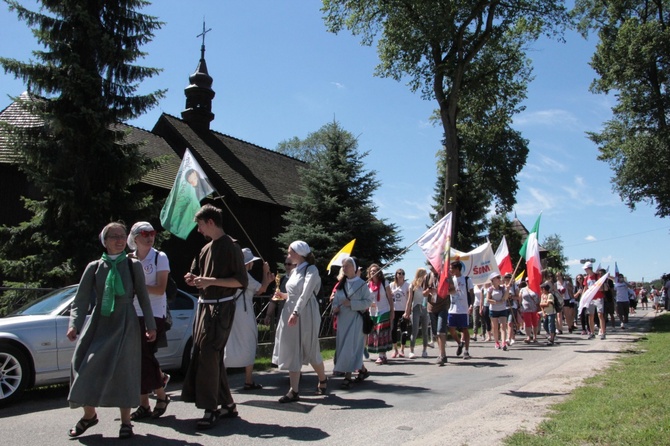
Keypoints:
pixel 478 263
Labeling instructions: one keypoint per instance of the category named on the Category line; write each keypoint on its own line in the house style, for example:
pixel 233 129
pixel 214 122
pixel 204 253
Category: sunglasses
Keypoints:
pixel 400 274
pixel 148 233
pixel 289 264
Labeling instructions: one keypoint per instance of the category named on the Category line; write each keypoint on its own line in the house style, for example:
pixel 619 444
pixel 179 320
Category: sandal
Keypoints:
pixel 159 411
pixel 362 375
pixel 141 413
pixel 346 384
pixel 126 431
pixel 230 412
pixel 322 390
pixel 208 420
pixel 290 397
pixel 252 386
pixel 82 425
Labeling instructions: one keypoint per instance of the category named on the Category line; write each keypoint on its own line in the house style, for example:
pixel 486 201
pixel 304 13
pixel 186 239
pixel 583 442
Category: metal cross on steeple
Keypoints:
pixel 202 34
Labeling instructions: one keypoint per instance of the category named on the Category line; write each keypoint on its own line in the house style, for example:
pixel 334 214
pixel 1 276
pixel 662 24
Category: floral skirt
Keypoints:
pixel 379 340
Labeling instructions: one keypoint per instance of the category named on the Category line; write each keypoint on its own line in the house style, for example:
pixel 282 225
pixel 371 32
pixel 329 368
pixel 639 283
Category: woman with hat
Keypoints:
pixel 156 267
pixel 105 370
pixel 297 336
pixel 240 349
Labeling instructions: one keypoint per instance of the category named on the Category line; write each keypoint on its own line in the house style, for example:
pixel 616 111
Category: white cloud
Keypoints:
pixel 551 117
pixel 338 85
pixel 607 259
pixel 590 238
pixel 552 163
pixel 573 262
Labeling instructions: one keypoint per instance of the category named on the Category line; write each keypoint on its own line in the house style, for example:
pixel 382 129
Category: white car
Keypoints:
pixel 34 350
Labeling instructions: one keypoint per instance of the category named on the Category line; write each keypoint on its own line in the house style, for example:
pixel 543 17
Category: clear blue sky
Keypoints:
pixel 278 74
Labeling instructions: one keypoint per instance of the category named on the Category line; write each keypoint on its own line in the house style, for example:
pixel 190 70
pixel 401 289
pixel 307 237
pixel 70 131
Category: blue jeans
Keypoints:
pixel 419 316
pixel 550 324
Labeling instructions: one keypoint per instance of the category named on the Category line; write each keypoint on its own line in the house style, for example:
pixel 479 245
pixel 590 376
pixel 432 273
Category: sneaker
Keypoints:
pixel 424 354
pixel 459 349
pixel 511 342
pixel 497 346
pixel 466 355
pixel 441 360
pixel 602 336
pixel 379 361
pixel 474 338
pixel 431 344
pixel 549 343
pixel 622 326
pixel 166 379
pixel 394 355
pixel 504 346
pixel 584 333
pixel 412 355
pixel 591 336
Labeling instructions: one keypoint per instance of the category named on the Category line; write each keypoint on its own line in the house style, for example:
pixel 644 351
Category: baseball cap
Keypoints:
pixel 588 265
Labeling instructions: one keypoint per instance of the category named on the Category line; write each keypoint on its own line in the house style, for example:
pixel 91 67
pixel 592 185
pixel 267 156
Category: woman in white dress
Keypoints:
pixel 352 296
pixel 241 346
pixel 297 336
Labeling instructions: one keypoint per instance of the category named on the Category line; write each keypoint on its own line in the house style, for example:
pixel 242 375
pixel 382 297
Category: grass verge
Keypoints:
pixel 627 404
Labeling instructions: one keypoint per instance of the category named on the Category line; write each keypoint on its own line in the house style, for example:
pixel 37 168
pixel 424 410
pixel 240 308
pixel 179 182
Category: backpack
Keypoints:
pixel 558 302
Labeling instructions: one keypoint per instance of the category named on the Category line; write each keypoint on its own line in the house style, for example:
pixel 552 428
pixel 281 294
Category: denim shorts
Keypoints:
pixel 500 313
pixel 439 321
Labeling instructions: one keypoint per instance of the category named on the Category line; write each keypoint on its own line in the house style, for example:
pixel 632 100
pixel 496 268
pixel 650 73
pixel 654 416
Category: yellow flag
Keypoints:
pixel 344 252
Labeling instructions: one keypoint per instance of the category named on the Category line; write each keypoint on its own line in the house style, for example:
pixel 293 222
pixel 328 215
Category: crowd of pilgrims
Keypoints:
pixel 374 319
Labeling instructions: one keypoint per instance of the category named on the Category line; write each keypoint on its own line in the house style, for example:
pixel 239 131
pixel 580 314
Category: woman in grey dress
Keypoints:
pixel 105 370
pixel 352 296
pixel 297 336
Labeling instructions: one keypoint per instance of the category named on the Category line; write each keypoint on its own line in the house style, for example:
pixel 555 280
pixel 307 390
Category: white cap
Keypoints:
pixel 249 256
pixel 493 275
pixel 301 248
pixel 588 265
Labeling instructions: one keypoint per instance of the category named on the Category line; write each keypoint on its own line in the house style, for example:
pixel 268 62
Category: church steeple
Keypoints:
pixel 199 93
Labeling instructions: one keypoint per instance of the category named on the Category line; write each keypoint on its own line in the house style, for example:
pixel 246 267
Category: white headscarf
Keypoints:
pixel 301 248
pixel 135 230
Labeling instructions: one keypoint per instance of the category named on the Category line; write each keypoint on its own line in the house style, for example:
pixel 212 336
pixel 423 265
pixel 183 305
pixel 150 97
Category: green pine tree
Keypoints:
pixel 336 204
pixel 81 85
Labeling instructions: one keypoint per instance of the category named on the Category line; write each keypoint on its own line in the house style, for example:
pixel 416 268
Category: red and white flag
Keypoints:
pixel 503 259
pixel 435 244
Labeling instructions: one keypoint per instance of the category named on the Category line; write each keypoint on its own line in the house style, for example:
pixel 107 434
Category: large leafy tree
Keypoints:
pixel 336 204
pixel 453 52
pixel 632 59
pixel 82 83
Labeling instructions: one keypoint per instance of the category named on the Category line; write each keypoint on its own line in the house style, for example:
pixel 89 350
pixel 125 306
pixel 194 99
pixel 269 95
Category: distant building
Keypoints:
pixel 255 182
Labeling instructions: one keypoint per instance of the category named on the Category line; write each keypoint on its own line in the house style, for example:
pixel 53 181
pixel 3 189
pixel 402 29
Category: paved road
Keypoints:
pixel 406 402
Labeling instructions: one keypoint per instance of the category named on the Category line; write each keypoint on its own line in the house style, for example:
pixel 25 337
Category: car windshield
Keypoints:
pixel 46 304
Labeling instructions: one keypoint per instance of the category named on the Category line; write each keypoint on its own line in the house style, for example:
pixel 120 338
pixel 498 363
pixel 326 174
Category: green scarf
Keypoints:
pixel 113 284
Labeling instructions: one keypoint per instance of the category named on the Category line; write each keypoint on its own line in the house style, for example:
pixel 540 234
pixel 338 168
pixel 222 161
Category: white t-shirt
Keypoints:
pixel 158 302
pixel 621 289
pixel 459 298
pixel 400 295
pixel 478 296
pixel 380 303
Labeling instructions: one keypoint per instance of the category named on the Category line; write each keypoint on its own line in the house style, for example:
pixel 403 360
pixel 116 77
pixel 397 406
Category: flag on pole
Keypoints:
pixel 503 259
pixel 616 271
pixel 344 252
pixel 436 244
pixel 190 186
pixel 590 292
pixel 536 229
pixel 532 257
pixel 519 278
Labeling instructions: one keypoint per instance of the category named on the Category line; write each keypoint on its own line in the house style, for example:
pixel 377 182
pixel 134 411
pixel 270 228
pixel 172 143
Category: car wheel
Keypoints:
pixel 14 373
pixel 186 357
